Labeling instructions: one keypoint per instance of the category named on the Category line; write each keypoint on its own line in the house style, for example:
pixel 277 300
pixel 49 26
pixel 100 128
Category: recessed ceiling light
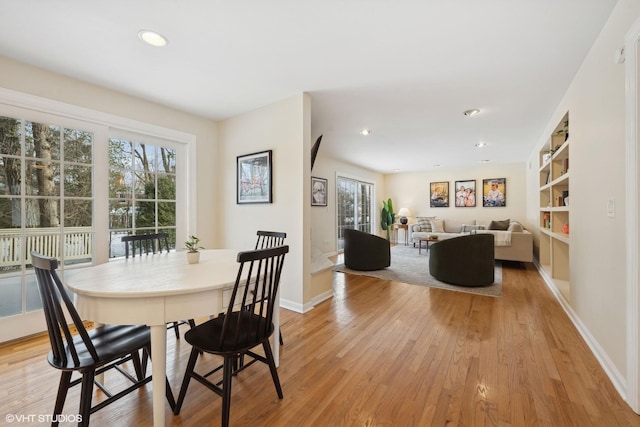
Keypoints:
pixel 481 144
pixel 396 170
pixel 152 38
pixel 436 166
pixel 365 132
pixel 484 161
pixel 472 112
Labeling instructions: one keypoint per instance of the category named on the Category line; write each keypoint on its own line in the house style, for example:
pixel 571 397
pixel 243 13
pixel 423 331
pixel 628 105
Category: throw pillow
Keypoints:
pixel 470 228
pixel 437 225
pixel 424 222
pixel 499 225
pixel 515 226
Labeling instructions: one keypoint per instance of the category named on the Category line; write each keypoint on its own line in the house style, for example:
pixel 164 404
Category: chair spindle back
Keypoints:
pixel 145 243
pixel 54 300
pixel 253 297
pixel 270 239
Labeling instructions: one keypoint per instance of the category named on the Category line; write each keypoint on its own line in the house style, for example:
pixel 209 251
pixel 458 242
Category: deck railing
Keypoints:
pixel 76 244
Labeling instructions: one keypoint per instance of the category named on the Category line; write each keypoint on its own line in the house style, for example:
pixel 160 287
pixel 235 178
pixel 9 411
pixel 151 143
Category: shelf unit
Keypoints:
pixel 554 207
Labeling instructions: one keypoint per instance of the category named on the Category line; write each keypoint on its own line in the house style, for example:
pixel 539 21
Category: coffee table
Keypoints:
pixel 426 240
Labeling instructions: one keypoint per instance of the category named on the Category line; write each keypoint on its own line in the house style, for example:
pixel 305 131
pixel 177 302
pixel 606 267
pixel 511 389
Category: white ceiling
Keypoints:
pixel 406 69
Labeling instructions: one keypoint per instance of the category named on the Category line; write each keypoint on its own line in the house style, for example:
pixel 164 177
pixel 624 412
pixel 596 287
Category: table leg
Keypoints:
pixel 158 365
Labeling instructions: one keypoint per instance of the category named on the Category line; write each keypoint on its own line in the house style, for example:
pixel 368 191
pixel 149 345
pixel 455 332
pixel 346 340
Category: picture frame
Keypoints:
pixel 439 194
pixel 318 191
pixel 494 192
pixel 254 182
pixel 465 194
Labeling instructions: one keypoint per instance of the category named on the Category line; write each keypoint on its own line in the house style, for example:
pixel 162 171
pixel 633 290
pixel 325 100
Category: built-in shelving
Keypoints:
pixel 554 207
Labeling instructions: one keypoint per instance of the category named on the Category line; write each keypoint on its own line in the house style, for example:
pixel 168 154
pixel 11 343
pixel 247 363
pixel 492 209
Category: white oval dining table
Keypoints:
pixel 154 290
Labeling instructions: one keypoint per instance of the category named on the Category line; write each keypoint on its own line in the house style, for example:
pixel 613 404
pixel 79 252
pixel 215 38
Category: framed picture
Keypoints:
pixel 439 195
pixel 318 191
pixel 253 174
pixel 494 192
pixel 465 194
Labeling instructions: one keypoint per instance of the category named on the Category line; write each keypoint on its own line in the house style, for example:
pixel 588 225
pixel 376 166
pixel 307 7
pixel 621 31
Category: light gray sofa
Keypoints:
pixel 520 247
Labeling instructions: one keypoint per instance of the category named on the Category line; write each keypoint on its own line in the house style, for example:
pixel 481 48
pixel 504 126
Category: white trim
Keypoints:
pixel 601 355
pixel 308 306
pixel 22 325
pixel 32 102
pixel 632 44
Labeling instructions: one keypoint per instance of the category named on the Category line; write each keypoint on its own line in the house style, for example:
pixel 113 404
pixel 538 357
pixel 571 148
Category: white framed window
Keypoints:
pixel 143 176
pixel 55 193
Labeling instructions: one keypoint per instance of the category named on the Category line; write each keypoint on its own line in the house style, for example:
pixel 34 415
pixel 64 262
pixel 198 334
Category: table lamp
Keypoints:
pixel 403 214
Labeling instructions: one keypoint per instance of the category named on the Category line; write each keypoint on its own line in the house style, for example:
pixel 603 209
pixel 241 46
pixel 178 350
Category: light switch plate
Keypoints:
pixel 611 208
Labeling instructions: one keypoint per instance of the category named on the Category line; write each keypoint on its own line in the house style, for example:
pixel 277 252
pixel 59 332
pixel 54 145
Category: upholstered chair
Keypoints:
pixel 465 260
pixel 365 252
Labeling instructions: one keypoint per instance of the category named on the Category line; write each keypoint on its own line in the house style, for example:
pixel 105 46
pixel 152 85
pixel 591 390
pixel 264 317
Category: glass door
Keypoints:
pixel 355 207
pixel 46 205
pixel 64 184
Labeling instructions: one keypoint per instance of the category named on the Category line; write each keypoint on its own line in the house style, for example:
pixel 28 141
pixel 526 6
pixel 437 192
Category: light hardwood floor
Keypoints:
pixel 381 353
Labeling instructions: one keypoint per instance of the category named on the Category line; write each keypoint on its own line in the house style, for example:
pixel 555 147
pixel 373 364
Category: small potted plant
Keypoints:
pixel 193 254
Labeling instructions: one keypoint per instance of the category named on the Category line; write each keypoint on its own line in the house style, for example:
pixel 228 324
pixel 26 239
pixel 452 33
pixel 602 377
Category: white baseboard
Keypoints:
pixel 304 308
pixel 618 380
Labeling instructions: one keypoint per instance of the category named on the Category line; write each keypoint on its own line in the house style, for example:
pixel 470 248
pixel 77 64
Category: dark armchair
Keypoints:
pixel 365 252
pixel 465 260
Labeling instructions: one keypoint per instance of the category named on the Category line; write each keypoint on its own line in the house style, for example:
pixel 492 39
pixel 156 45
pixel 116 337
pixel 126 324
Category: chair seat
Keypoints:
pixel 245 324
pixel 110 341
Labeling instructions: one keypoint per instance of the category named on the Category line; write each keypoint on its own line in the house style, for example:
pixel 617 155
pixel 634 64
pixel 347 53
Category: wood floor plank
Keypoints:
pixel 380 353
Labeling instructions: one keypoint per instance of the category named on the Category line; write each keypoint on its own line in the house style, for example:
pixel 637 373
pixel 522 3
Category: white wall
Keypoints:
pixel 411 190
pixel 596 104
pixel 323 219
pixel 34 81
pixel 284 128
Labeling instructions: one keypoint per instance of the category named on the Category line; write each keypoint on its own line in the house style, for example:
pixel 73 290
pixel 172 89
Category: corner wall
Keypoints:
pixel 35 81
pixel 284 128
pixel 411 190
pixel 323 219
pixel 596 104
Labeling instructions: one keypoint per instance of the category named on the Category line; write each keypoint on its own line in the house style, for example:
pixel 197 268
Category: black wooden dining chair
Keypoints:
pixel 270 239
pixel 246 324
pixel 90 352
pixel 145 244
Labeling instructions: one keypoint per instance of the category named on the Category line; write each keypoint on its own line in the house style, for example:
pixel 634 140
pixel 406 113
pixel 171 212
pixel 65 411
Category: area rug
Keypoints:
pixel 408 266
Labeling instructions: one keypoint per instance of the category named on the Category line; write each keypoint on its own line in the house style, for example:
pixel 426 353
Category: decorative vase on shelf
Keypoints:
pixel 193 257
